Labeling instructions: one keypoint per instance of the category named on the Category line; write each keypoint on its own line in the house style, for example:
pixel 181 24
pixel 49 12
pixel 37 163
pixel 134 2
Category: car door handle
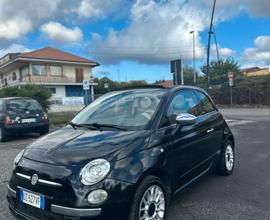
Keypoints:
pixel 209 130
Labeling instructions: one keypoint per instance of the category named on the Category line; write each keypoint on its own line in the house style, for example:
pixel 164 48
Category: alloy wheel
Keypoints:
pixel 229 157
pixel 152 206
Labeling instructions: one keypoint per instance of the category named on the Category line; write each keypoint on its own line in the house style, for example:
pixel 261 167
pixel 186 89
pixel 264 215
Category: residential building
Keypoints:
pixel 255 71
pixel 165 83
pixel 62 72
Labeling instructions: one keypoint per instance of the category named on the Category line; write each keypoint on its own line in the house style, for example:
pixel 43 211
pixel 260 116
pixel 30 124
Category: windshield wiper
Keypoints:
pixel 99 126
pixel 89 126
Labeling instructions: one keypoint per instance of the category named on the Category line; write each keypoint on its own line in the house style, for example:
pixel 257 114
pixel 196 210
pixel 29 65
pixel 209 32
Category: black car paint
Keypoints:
pixel 178 155
pixel 39 126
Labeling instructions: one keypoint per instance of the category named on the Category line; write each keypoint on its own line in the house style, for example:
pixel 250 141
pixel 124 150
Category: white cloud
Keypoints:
pixel 260 54
pixel 229 8
pixel 157 33
pixel 13 48
pixel 14 29
pixel 263 43
pixel 59 33
pixel 96 9
pixel 155 30
pixel 20 17
pixel 224 52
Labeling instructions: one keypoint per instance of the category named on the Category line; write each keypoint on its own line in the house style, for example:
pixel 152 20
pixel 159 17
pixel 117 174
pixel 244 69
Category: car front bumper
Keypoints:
pixel 68 201
pixel 57 212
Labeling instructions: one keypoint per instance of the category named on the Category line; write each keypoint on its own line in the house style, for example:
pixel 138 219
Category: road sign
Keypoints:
pixel 230 81
pixel 230 75
pixel 106 85
pixel 176 67
pixel 86 84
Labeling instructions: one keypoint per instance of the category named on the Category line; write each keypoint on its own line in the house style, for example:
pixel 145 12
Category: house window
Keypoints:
pixel 14 76
pixel 39 70
pixel 24 72
pixel 53 90
pixel 56 70
pixel 79 75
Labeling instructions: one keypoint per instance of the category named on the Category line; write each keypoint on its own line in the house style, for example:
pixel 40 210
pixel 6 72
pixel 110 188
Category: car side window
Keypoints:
pixel 205 105
pixel 184 101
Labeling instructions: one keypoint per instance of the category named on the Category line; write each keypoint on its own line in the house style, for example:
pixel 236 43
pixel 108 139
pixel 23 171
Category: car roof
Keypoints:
pixel 187 87
pixel 158 88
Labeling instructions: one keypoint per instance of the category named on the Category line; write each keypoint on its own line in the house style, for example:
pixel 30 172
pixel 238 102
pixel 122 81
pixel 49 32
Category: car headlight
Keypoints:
pixel 94 172
pixel 18 158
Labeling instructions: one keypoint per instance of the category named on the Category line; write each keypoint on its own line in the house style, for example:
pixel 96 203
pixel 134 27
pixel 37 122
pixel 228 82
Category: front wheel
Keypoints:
pixel 226 164
pixel 150 201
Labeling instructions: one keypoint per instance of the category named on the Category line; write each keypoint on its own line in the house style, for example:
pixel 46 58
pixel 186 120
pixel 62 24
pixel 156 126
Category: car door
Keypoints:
pixel 187 142
pixel 212 124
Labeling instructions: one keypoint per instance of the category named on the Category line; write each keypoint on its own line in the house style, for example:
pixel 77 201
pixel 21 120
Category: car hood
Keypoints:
pixel 68 146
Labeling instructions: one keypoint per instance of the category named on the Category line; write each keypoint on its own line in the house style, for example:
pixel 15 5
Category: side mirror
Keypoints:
pixel 185 119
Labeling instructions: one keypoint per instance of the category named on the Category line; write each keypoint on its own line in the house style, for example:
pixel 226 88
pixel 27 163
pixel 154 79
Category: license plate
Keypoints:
pixel 32 199
pixel 28 120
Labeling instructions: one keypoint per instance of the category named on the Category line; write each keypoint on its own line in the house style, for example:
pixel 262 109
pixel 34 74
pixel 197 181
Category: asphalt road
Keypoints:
pixel 243 195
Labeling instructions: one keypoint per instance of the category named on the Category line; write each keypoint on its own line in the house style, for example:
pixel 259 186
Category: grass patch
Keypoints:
pixel 60 118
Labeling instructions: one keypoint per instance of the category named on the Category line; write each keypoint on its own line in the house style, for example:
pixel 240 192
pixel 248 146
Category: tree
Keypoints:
pixel 113 85
pixel 219 70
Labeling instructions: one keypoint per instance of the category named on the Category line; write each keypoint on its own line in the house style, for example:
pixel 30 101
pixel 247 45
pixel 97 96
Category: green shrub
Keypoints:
pixel 60 118
pixel 38 92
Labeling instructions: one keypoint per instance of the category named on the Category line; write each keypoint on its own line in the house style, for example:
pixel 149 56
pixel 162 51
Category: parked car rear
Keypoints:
pixel 20 116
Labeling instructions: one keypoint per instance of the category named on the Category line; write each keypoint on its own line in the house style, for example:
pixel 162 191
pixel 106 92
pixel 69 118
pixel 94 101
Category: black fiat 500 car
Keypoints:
pixel 122 157
pixel 21 115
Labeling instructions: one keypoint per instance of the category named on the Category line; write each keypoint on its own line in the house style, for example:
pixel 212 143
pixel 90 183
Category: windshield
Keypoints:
pixel 23 105
pixel 129 109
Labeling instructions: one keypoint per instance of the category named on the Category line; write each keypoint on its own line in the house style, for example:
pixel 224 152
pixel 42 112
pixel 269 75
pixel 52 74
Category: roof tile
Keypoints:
pixel 49 53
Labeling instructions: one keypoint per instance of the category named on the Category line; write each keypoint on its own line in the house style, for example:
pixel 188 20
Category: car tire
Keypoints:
pixel 226 163
pixel 3 135
pixel 141 206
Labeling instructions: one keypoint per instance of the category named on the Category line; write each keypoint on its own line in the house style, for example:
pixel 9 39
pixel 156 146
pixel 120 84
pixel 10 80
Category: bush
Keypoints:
pixel 60 118
pixel 38 92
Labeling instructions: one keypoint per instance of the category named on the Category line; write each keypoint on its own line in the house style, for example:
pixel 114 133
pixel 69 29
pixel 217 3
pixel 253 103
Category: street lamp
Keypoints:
pixel 194 61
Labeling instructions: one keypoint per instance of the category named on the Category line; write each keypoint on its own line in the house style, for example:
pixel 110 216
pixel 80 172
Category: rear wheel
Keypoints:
pixel 3 135
pixel 150 201
pixel 226 164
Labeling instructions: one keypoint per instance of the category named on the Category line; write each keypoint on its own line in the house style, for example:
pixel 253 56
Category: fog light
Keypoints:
pixel 97 197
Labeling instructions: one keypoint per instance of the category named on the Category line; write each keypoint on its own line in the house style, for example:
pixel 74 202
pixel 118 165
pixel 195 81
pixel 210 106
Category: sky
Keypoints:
pixel 136 39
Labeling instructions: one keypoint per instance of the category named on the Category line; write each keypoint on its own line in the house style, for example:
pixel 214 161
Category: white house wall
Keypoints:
pixel 8 76
pixel 60 91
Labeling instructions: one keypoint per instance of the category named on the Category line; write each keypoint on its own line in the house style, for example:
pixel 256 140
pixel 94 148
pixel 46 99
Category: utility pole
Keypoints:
pixel 194 61
pixel 209 45
pixel 182 75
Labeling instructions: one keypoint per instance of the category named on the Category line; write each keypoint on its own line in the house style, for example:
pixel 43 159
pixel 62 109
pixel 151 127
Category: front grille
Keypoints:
pixel 40 181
